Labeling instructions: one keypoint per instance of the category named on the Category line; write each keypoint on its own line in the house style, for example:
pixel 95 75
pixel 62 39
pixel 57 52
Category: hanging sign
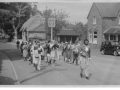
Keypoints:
pixel 51 22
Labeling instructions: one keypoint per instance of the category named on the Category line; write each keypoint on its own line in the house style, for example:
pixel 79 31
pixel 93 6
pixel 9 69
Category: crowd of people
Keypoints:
pixel 51 51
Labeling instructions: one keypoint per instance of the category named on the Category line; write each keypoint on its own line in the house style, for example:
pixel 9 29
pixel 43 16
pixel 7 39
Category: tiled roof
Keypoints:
pixel 113 30
pixel 68 32
pixel 108 9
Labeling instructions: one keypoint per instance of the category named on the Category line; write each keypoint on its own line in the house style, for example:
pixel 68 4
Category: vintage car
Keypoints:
pixel 110 47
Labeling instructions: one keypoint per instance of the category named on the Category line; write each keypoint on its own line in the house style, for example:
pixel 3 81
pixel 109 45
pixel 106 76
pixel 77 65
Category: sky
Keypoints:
pixel 77 11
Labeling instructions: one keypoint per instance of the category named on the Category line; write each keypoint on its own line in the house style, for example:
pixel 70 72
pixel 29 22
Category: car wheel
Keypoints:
pixel 102 52
pixel 115 53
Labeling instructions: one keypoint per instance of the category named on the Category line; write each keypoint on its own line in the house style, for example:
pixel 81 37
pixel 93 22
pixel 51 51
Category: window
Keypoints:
pixel 94 20
pixel 95 37
pixel 95 32
pixel 112 37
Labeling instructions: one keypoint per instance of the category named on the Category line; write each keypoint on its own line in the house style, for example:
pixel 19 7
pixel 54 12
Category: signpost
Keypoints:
pixel 51 23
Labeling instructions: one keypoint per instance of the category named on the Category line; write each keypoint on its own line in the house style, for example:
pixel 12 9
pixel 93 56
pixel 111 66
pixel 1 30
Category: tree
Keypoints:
pixel 79 28
pixel 17 14
pixel 85 31
pixel 60 20
pixel 47 14
pixel 3 14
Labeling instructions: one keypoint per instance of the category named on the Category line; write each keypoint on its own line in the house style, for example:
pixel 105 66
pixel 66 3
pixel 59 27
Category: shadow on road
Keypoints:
pixel 6 81
pixel 13 54
pixel 42 74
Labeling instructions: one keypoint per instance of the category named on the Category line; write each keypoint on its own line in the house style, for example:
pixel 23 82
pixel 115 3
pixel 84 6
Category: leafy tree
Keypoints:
pixel 19 13
pixel 47 14
pixel 14 14
pixel 85 30
pixel 60 20
pixel 79 28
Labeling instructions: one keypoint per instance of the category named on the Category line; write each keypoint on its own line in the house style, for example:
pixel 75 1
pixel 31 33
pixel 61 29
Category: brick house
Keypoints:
pixel 103 23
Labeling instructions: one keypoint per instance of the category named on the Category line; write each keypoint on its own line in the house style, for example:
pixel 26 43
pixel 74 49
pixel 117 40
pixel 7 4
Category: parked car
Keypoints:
pixel 112 48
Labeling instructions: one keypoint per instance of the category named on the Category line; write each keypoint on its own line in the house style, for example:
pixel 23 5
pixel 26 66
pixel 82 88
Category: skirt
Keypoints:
pixel 64 53
pixel 69 54
pixel 35 60
pixel 25 53
pixel 53 55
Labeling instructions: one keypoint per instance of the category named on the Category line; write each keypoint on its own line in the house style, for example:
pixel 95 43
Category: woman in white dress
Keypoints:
pixel 53 53
pixel 25 51
pixel 34 54
pixel 40 52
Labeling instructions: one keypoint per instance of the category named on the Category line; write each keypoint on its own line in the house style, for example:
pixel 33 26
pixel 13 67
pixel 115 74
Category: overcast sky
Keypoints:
pixel 77 11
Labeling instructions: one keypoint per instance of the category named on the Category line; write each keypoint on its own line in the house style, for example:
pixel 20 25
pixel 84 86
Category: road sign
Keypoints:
pixel 51 22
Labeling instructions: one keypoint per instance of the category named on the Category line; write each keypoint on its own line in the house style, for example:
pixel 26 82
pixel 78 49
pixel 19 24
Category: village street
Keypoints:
pixel 105 71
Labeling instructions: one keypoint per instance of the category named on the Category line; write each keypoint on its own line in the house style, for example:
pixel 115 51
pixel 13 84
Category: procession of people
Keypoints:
pixel 78 53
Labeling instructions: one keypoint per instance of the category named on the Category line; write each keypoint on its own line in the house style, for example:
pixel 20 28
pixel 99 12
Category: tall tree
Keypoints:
pixel 60 19
pixel 18 13
pixel 47 14
pixel 79 28
pixel 85 30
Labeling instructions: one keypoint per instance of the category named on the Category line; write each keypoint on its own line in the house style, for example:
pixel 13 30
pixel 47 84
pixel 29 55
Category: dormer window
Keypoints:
pixel 119 20
pixel 94 20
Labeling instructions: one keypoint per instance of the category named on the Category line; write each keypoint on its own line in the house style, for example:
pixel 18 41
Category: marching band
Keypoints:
pixel 51 51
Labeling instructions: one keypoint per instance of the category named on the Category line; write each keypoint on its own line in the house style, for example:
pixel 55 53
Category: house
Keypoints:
pixel 67 35
pixel 34 28
pixel 103 23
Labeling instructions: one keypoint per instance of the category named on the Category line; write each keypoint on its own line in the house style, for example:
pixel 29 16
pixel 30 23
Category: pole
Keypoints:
pixel 51 33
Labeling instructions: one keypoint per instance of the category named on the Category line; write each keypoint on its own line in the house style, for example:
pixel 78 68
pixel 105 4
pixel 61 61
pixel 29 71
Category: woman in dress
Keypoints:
pixel 48 51
pixel 21 47
pixel 25 51
pixel 40 51
pixel 69 52
pixel 34 53
pixel 65 51
pixel 53 54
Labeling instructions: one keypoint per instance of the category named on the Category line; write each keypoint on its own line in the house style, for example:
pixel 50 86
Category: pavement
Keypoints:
pixel 7 76
pixel 104 70
pixel 7 73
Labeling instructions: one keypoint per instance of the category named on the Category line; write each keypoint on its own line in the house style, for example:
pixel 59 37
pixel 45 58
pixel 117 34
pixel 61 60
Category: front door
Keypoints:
pixel 95 37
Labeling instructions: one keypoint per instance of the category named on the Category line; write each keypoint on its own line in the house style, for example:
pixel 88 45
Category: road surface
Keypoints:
pixel 104 70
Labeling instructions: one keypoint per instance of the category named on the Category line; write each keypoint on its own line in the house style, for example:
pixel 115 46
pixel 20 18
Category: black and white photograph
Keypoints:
pixel 65 43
